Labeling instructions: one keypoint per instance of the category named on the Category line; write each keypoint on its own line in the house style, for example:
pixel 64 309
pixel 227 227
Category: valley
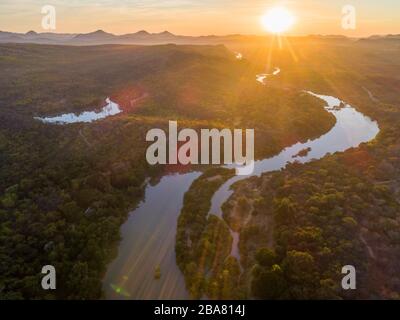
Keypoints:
pixel 67 190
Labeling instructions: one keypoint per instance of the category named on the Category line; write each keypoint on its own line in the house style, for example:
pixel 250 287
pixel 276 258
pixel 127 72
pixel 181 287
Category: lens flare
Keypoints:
pixel 278 20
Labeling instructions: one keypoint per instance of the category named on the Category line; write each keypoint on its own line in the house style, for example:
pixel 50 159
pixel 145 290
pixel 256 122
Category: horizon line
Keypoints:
pixel 204 35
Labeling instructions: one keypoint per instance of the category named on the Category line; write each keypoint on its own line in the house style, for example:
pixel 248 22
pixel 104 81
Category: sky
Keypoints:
pixel 199 17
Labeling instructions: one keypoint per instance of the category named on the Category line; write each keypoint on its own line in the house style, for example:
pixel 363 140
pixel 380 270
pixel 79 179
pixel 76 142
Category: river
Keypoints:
pixel 148 236
pixel 110 109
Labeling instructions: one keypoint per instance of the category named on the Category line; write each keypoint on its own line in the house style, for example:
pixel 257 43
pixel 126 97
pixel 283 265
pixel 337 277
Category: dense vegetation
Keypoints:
pixel 203 241
pixel 62 203
pixel 304 223
pixel 338 211
pixel 65 190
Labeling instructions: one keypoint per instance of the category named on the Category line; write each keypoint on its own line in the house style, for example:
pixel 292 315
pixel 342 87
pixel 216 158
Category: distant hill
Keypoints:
pixel 143 37
pixel 34 37
pixel 388 37
pixel 97 36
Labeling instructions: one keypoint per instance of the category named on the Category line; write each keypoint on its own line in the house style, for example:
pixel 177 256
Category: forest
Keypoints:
pixel 66 190
pixel 299 226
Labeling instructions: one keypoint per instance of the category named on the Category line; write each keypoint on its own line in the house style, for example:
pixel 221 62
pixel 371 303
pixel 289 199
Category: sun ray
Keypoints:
pixel 290 47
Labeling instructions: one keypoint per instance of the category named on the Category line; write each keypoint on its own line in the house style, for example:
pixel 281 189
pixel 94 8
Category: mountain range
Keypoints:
pixel 143 37
pixel 102 37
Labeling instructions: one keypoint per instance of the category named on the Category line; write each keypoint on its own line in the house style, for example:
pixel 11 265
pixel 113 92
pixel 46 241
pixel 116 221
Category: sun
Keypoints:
pixel 278 20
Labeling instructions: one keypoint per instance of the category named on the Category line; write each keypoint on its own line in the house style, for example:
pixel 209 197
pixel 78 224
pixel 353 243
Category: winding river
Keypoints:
pixel 262 77
pixel 110 109
pixel 149 233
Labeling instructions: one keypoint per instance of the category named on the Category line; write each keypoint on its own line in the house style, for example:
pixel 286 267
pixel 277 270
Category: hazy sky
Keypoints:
pixel 199 17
